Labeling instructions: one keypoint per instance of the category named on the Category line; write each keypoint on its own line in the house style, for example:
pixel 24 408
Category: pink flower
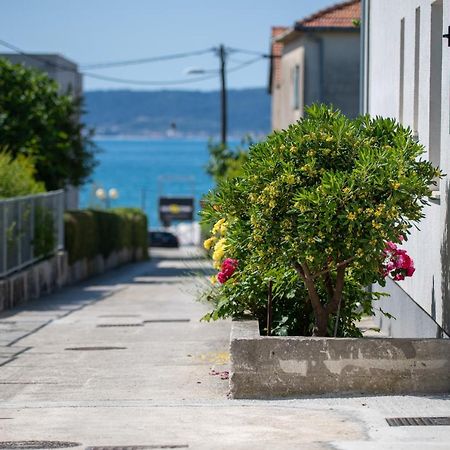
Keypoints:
pixel 398 264
pixel 390 246
pixel 227 270
pixel 221 277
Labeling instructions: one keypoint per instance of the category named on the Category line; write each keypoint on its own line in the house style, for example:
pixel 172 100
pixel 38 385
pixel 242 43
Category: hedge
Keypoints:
pixel 92 232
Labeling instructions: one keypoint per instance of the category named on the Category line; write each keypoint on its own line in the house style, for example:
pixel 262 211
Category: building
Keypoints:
pixel 57 67
pixel 405 75
pixel 70 81
pixel 316 60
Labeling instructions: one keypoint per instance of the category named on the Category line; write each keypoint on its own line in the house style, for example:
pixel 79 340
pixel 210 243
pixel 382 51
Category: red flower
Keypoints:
pixel 227 270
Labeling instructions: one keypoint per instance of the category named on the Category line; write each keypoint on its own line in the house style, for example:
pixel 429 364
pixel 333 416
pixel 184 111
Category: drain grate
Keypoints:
pixel 37 444
pixel 86 349
pixel 418 421
pixel 111 325
pixel 166 320
pixel 139 447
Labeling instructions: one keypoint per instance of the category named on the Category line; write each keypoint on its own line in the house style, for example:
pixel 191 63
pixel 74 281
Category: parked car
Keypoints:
pixel 162 239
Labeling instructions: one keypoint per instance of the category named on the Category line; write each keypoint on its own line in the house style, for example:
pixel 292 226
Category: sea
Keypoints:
pixel 143 170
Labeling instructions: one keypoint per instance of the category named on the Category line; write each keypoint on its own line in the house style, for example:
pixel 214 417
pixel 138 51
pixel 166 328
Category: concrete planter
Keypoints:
pixel 269 367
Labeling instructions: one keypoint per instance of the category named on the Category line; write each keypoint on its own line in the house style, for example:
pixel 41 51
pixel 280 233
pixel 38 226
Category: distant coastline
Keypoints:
pixel 136 115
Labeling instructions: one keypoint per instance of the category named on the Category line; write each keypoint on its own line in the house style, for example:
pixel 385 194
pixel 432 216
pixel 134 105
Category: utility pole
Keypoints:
pixel 223 96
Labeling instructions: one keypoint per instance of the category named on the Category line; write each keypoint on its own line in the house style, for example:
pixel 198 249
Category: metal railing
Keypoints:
pixel 31 228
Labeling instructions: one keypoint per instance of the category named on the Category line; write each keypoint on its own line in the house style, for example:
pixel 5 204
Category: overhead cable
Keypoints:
pixel 146 60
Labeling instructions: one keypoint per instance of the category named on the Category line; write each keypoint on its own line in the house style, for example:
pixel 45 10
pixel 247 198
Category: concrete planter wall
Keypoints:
pixel 46 276
pixel 270 367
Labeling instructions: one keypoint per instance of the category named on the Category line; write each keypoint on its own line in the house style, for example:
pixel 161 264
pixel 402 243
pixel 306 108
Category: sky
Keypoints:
pixel 98 31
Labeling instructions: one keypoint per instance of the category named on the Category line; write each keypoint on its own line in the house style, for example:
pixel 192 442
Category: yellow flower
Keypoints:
pixel 351 216
pixel 213 279
pixel 290 179
pixel 376 225
pixel 219 250
pixel 395 185
pixel 217 226
pixel 209 243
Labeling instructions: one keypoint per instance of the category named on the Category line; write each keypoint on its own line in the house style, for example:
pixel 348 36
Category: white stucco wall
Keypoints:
pixel 429 247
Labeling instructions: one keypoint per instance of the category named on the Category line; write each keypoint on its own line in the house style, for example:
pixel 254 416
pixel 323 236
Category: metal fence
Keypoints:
pixel 31 228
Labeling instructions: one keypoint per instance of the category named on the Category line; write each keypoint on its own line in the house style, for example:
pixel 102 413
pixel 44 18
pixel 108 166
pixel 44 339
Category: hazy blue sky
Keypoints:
pixel 92 31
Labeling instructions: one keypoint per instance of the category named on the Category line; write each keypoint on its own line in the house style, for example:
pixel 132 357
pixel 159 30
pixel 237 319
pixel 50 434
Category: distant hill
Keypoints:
pixel 195 113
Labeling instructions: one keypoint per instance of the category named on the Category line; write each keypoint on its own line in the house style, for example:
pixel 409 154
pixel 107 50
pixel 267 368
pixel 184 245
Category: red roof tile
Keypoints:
pixel 340 15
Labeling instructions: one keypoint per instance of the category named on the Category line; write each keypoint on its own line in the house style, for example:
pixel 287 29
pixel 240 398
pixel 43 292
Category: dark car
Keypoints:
pixel 162 239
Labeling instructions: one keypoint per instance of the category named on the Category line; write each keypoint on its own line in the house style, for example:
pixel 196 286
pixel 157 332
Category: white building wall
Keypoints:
pixel 386 75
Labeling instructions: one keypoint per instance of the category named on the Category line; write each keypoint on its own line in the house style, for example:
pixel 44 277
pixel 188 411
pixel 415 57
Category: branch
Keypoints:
pixel 344 263
pixel 305 275
pixel 328 285
pixel 334 304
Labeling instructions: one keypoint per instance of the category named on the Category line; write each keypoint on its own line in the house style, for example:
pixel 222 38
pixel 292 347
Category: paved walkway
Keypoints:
pixel 124 361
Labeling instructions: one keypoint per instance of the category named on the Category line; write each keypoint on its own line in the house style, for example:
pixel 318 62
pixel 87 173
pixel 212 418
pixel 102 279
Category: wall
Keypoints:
pixel 404 83
pixel 53 273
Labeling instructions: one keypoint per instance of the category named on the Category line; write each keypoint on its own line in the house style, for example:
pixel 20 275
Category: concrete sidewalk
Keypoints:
pixel 124 361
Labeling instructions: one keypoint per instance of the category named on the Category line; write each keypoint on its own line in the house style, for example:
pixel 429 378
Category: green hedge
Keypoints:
pixel 92 232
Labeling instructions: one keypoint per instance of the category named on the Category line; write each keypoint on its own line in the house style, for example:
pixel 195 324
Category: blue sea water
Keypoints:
pixel 142 170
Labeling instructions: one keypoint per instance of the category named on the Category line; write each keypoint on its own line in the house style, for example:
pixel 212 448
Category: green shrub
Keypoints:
pixel 38 122
pixel 319 200
pixel 98 232
pixel 17 176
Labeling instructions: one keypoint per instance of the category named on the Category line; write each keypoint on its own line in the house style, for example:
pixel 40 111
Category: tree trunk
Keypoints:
pixel 322 312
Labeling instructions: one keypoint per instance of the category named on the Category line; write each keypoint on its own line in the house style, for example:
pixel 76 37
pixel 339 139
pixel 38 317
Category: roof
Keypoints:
pixel 275 60
pixel 341 15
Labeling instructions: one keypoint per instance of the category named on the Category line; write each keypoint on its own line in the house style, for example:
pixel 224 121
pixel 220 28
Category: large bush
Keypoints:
pixel 320 200
pixel 17 176
pixel 98 232
pixel 38 122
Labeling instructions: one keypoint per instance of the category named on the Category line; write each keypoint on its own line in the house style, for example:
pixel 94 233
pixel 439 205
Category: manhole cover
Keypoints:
pixel 108 325
pixel 37 444
pixel 166 320
pixel 86 349
pixel 139 447
pixel 418 421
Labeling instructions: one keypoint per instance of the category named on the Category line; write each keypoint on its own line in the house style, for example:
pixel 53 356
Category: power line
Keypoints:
pixel 248 52
pixel 146 60
pixel 148 82
pixel 42 59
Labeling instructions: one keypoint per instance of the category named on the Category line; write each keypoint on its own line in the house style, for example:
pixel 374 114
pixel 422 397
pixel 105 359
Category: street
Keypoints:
pixel 123 361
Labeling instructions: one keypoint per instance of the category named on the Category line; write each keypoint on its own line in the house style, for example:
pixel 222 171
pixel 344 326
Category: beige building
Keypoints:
pixel 316 60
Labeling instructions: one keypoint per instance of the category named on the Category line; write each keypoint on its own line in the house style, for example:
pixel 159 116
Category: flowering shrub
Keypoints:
pixel 319 201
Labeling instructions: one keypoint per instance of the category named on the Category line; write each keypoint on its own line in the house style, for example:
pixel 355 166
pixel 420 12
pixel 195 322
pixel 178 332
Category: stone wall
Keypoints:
pixel 270 367
pixel 53 273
